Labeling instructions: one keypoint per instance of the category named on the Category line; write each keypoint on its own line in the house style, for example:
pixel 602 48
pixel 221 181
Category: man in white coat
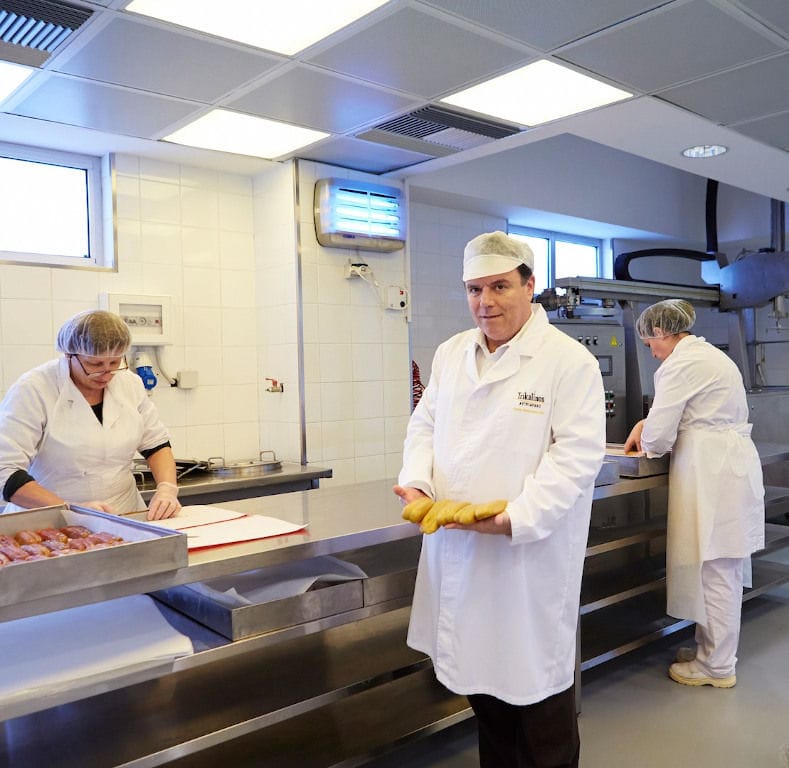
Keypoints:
pixel 513 410
pixel 716 492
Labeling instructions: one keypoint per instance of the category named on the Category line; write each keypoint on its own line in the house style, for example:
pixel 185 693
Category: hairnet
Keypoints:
pixel 95 333
pixel 670 316
pixel 495 253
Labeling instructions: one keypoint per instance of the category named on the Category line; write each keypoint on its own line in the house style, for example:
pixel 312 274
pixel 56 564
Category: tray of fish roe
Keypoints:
pixel 55 550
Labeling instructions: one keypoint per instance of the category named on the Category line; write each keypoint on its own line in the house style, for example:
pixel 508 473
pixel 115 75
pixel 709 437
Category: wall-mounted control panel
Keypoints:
pixel 149 317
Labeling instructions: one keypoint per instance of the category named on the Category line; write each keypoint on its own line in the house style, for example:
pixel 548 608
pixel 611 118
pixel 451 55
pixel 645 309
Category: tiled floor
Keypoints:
pixel 633 716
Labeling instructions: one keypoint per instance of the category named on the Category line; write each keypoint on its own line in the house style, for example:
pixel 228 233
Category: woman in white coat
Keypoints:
pixel 716 494
pixel 70 428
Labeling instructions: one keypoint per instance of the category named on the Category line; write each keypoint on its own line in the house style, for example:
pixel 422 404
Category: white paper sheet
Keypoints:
pixel 84 646
pixel 197 514
pixel 246 528
pixel 277 581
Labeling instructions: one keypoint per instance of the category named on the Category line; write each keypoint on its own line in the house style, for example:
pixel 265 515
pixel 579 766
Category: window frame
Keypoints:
pixel 565 237
pixel 100 208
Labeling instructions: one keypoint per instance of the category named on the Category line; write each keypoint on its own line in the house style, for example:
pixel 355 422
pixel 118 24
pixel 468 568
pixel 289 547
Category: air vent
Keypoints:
pixel 31 30
pixel 437 131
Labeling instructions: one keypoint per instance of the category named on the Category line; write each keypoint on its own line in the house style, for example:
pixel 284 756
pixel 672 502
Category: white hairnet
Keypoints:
pixel 668 317
pixel 494 253
pixel 95 333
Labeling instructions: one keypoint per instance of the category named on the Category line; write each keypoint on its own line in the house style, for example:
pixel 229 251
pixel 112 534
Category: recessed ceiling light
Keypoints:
pixel 228 131
pixel 705 150
pixel 537 93
pixel 285 28
pixel 11 77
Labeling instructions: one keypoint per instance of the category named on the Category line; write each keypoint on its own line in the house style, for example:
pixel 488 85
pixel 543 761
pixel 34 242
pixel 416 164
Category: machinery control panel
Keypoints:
pixel 605 339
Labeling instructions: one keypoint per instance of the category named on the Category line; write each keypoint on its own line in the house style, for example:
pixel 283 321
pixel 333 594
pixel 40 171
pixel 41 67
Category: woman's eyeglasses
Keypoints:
pixel 94 370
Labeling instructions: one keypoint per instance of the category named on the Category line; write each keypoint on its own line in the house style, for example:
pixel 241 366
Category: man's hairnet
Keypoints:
pixel 669 317
pixel 94 333
pixel 494 253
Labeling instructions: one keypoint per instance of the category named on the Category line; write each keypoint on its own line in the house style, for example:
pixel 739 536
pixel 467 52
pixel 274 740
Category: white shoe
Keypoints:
pixel 688 673
pixel 685 654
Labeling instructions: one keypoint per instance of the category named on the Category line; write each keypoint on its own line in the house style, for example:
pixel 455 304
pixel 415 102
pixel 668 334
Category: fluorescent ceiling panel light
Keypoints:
pixel 537 93
pixel 705 150
pixel 286 28
pixel 11 77
pixel 227 131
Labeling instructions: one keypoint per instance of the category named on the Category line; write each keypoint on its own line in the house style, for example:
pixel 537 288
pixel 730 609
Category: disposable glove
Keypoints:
pixel 164 502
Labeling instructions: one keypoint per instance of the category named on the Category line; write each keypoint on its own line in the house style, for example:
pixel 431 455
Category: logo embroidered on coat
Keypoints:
pixel 529 401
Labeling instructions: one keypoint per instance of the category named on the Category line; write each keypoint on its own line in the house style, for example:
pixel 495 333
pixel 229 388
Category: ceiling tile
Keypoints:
pixel 771 130
pixel 546 24
pixel 420 54
pixel 318 99
pixel 143 56
pixel 772 12
pixel 761 89
pixel 102 107
pixel 363 155
pixel 682 43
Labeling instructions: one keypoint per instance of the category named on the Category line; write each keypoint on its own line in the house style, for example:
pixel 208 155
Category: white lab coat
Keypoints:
pixel 48 429
pixel 498 615
pixel 716 494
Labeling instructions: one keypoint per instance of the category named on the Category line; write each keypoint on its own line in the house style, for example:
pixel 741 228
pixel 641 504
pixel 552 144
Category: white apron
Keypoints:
pixel 715 510
pixel 83 460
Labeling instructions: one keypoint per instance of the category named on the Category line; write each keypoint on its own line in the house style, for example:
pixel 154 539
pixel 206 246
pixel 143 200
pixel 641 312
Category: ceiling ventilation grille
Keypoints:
pixel 437 131
pixel 30 30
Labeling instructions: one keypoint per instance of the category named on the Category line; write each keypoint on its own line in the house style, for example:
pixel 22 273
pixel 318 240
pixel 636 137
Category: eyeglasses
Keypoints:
pixel 92 370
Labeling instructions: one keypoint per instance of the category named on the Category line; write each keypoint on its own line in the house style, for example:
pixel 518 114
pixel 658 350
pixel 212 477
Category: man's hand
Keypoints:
pixel 500 524
pixel 633 442
pixel 407 494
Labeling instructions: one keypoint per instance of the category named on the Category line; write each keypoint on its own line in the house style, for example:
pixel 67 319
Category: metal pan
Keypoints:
pixel 217 465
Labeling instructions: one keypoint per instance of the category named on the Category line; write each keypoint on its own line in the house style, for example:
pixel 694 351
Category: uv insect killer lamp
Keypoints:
pixel 356 214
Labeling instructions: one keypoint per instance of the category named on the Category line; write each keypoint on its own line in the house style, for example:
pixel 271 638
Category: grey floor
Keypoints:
pixel 634 716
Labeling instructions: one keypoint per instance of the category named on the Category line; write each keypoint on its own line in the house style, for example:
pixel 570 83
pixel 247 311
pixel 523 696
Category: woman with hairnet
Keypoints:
pixel 716 493
pixel 70 428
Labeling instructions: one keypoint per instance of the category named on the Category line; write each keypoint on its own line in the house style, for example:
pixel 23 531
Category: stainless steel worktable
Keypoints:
pixel 249 702
pixel 336 518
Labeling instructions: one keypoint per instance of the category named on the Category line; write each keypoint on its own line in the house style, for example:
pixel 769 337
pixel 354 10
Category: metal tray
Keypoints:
pixel 636 465
pixel 245 621
pixel 390 568
pixel 147 549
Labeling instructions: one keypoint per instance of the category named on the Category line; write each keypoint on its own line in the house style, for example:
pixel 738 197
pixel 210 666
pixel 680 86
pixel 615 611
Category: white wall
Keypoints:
pixel 182 232
pixel 356 359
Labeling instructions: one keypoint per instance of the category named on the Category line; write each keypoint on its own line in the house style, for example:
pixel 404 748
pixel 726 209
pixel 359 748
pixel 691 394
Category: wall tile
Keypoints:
pixel 238 288
pixel 26 321
pixel 200 247
pixel 199 208
pixel 201 287
pixel 22 282
pixel 160 202
pixel 368 399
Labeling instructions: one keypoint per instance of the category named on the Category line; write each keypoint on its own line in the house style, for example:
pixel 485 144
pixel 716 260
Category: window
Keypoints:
pixel 557 254
pixel 51 208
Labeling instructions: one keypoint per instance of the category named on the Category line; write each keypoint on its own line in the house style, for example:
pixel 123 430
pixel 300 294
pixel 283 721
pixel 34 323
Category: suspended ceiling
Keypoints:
pixel 701 71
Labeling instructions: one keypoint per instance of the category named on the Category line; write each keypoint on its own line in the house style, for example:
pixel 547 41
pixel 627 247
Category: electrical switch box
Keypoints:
pixel 149 317
pixel 396 297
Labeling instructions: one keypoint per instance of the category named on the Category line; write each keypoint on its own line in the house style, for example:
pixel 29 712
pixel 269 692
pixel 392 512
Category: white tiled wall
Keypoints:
pixel 356 358
pixel 181 232
pixel 439 308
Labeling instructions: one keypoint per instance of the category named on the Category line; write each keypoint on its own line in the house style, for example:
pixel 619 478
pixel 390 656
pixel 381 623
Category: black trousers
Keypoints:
pixel 541 735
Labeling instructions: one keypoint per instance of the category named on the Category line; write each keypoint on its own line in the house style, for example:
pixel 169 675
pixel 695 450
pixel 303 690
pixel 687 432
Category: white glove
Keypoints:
pixel 164 502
